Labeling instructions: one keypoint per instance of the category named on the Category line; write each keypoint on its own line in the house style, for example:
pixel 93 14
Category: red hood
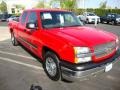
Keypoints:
pixel 83 36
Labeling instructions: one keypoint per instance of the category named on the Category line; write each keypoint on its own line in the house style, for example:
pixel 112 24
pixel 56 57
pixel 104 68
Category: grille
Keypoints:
pixel 104 49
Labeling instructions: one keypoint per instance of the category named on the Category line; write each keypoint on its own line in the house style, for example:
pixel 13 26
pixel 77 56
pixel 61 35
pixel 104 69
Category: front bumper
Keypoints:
pixel 73 72
pixel 93 20
pixel 118 22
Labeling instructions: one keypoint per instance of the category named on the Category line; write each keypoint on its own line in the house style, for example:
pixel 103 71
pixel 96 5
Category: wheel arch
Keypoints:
pixel 11 30
pixel 46 49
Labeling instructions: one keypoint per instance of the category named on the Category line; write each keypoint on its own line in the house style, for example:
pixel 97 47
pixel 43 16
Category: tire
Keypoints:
pixel 113 23
pixel 51 66
pixel 14 40
pixel 101 21
pixel 87 21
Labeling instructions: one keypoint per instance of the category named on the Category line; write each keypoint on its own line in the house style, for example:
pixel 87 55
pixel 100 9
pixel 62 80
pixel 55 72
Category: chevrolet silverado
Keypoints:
pixel 68 49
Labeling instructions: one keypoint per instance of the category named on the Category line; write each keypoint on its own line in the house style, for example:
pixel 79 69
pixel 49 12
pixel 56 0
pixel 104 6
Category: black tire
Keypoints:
pixel 87 21
pixel 14 40
pixel 107 22
pixel 101 21
pixel 48 56
pixel 113 23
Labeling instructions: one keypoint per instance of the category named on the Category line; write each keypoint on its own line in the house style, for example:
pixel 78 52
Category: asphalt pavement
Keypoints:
pixel 19 69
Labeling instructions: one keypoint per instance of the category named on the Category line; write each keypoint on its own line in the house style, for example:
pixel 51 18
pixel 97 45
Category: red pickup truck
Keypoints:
pixel 68 49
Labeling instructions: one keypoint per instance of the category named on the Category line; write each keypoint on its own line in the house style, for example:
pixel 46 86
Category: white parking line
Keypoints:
pixel 21 63
pixel 17 55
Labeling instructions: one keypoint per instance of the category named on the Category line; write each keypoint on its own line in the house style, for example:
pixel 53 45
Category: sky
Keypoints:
pixel 96 3
pixel 88 3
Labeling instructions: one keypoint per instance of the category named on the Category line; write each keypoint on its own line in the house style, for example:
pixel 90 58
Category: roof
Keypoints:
pixel 42 9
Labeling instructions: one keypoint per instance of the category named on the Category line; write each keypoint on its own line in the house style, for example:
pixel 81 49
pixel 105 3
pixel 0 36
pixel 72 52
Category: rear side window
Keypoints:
pixel 23 18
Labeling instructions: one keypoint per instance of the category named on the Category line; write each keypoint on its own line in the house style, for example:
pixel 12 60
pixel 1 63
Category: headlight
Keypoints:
pixel 117 42
pixel 82 54
pixel 117 19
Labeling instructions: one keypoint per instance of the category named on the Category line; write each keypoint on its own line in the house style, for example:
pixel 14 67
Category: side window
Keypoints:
pixel 109 15
pixel 32 18
pixel 113 16
pixel 23 18
pixel 69 18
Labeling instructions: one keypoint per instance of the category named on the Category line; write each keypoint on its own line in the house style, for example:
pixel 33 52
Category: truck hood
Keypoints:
pixel 93 17
pixel 83 36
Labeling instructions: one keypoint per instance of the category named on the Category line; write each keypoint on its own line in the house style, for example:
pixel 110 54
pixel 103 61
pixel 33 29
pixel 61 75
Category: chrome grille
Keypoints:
pixel 104 49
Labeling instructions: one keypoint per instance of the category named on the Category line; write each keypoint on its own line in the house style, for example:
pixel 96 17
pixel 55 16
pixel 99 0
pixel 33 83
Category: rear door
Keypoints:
pixel 113 17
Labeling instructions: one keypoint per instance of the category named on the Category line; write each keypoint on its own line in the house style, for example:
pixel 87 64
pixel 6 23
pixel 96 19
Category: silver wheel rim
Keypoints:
pixel 112 22
pixel 12 38
pixel 51 66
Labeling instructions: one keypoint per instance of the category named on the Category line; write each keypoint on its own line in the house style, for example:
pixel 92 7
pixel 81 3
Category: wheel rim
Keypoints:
pixel 51 66
pixel 12 38
pixel 112 22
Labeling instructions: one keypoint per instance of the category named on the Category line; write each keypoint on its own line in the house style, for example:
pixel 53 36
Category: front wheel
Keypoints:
pixel 87 21
pixel 14 40
pixel 51 66
pixel 113 23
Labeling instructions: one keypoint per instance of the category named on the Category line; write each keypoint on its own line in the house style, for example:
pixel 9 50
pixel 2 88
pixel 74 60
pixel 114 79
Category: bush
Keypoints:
pixel 99 12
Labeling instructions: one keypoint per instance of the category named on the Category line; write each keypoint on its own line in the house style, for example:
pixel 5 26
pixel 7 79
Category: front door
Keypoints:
pixel 33 34
pixel 22 29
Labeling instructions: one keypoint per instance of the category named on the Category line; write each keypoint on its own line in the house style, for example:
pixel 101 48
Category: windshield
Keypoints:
pixel 53 19
pixel 91 14
pixel 118 16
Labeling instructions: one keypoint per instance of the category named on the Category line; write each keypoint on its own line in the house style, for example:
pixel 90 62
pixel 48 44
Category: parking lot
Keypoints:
pixel 19 69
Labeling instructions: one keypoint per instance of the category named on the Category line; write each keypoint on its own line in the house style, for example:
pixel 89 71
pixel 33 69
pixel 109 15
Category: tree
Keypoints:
pixel 3 7
pixel 68 4
pixel 103 5
pixel 55 3
pixel 40 4
pixel 19 6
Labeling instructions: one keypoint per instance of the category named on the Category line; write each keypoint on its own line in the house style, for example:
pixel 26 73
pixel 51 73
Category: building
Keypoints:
pixel 16 6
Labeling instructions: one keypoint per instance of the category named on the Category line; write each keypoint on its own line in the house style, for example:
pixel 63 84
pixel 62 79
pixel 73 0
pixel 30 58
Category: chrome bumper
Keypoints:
pixel 86 73
pixel 81 75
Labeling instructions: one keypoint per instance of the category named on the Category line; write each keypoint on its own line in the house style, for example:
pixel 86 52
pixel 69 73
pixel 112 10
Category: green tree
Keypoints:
pixel 40 4
pixel 19 6
pixel 68 4
pixel 53 2
pixel 3 7
pixel 103 5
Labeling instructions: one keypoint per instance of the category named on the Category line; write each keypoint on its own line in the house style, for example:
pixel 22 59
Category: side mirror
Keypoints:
pixel 31 26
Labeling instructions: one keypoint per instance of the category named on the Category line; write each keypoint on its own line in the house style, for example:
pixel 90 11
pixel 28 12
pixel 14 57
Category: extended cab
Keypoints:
pixel 68 49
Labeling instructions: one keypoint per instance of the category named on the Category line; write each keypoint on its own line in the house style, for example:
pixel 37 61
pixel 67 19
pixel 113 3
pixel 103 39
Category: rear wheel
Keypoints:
pixel 107 22
pixel 14 40
pixel 51 66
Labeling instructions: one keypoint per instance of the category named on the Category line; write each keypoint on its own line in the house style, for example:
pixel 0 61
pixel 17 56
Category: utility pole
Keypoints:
pixel 84 6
